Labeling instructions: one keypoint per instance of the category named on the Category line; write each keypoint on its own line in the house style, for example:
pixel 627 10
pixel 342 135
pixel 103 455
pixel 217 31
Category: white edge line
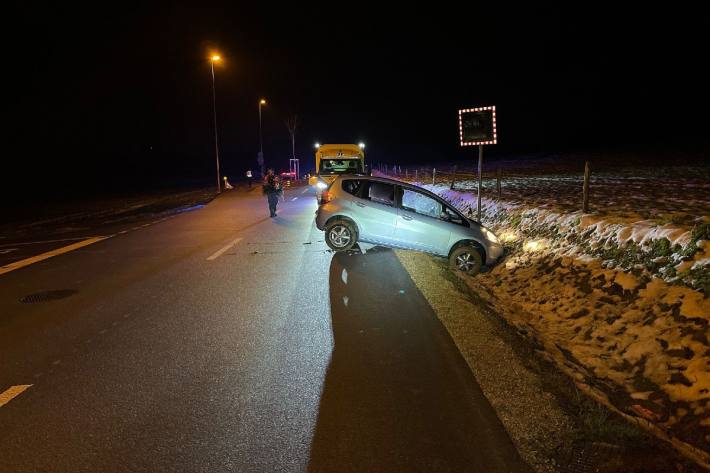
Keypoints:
pixel 41 257
pixel 221 251
pixel 12 392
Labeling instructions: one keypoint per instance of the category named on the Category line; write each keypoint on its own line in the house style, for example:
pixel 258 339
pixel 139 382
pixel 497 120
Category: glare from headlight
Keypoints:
pixel 490 236
pixel 321 185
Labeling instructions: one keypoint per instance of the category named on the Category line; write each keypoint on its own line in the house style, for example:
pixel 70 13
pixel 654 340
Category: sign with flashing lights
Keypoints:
pixel 477 126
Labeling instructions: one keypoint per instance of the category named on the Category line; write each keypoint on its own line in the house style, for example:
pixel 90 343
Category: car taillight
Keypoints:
pixel 325 197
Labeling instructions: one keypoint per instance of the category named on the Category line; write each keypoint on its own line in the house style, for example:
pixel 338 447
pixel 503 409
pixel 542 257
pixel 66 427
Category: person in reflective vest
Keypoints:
pixel 272 189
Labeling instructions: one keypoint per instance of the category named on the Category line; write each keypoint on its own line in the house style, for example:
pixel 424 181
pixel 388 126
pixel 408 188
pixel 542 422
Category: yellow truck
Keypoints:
pixel 333 160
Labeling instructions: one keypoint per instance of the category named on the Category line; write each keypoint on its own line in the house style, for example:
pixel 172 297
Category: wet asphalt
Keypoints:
pixel 275 355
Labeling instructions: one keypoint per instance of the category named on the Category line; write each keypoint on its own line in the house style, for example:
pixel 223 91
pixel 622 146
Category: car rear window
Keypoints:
pixel 379 192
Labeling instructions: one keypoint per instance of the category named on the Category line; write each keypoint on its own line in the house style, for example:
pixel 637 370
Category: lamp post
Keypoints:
pixel 213 59
pixel 260 157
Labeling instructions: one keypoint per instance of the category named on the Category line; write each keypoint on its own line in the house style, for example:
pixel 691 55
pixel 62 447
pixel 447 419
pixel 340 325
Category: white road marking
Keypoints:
pixel 35 259
pixel 12 393
pixel 7 250
pixel 294 199
pixel 305 190
pixel 221 251
pixel 344 275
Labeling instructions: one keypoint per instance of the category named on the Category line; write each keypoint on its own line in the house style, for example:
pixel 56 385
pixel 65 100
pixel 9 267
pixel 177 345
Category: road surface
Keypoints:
pixel 224 340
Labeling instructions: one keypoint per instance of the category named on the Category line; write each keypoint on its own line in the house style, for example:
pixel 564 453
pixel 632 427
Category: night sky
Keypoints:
pixel 114 96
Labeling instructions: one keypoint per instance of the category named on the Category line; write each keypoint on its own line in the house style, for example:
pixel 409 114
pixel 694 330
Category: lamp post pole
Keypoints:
pixel 214 110
pixel 260 158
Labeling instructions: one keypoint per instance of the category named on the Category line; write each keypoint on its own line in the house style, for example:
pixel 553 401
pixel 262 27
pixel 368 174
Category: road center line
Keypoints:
pixel 12 393
pixel 35 259
pixel 221 251
pixel 294 199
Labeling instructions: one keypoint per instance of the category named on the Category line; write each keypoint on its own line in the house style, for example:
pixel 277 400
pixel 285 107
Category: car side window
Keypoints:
pixel 381 192
pixel 353 186
pixel 451 216
pixel 420 203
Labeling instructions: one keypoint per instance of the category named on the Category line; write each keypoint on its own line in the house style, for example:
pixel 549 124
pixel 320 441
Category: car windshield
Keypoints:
pixel 340 166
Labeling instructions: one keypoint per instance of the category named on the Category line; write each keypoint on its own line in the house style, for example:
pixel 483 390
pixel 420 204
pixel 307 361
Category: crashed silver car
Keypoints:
pixel 396 214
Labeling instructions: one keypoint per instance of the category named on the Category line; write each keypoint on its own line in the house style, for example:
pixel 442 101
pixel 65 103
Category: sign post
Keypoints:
pixel 294 167
pixel 477 127
pixel 480 179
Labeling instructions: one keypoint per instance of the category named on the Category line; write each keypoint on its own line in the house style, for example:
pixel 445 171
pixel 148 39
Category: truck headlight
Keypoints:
pixel 490 236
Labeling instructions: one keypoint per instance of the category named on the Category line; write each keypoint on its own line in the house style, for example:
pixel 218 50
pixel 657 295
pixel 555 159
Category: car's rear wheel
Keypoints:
pixel 340 235
pixel 466 259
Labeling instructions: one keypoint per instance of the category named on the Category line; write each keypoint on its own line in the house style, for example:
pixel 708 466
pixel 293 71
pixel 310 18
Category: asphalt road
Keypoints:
pixel 224 340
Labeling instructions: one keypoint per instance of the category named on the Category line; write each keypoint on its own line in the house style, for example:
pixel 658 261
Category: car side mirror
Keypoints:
pixel 445 216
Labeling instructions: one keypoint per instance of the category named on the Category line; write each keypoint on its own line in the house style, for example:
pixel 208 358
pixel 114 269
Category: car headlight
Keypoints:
pixel 321 185
pixel 490 236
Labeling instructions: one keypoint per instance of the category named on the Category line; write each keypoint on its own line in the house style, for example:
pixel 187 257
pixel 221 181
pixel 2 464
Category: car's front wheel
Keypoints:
pixel 466 259
pixel 340 235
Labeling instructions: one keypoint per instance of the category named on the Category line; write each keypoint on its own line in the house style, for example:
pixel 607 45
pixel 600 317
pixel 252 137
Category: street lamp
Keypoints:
pixel 361 145
pixel 317 145
pixel 213 59
pixel 260 157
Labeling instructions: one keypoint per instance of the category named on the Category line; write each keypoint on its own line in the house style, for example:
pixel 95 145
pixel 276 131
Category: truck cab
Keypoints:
pixel 333 160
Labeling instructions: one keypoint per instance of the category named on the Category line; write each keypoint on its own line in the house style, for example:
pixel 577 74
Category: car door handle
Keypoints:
pixel 406 217
pixel 359 204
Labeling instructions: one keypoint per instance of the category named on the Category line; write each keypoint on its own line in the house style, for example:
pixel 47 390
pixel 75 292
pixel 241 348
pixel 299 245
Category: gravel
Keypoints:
pixel 532 416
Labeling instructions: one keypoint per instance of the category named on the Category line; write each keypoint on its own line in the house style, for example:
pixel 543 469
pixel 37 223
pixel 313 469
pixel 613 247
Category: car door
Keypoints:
pixel 375 212
pixel 419 224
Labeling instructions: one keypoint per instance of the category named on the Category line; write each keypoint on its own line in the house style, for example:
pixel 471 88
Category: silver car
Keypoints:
pixel 396 214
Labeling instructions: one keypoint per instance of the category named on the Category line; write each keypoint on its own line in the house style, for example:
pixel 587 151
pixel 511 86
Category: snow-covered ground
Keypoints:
pixel 617 297
pixel 648 215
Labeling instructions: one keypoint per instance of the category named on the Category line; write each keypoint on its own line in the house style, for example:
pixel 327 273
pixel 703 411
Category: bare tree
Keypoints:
pixel 291 124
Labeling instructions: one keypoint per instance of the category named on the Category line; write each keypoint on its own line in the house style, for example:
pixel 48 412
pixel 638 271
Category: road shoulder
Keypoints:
pixel 553 425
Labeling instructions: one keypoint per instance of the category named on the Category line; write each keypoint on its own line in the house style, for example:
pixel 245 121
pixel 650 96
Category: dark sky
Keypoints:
pixel 117 94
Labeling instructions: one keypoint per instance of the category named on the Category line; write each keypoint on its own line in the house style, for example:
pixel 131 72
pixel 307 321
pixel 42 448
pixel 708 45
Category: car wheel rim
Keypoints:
pixel 465 262
pixel 339 236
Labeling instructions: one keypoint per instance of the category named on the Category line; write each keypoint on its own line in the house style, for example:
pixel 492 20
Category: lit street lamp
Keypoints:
pixel 260 157
pixel 213 59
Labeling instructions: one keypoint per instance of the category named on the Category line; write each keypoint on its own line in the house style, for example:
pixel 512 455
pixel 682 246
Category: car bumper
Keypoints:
pixel 494 252
pixel 320 220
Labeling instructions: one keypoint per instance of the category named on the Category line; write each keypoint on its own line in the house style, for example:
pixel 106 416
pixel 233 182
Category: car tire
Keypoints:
pixel 466 259
pixel 340 235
